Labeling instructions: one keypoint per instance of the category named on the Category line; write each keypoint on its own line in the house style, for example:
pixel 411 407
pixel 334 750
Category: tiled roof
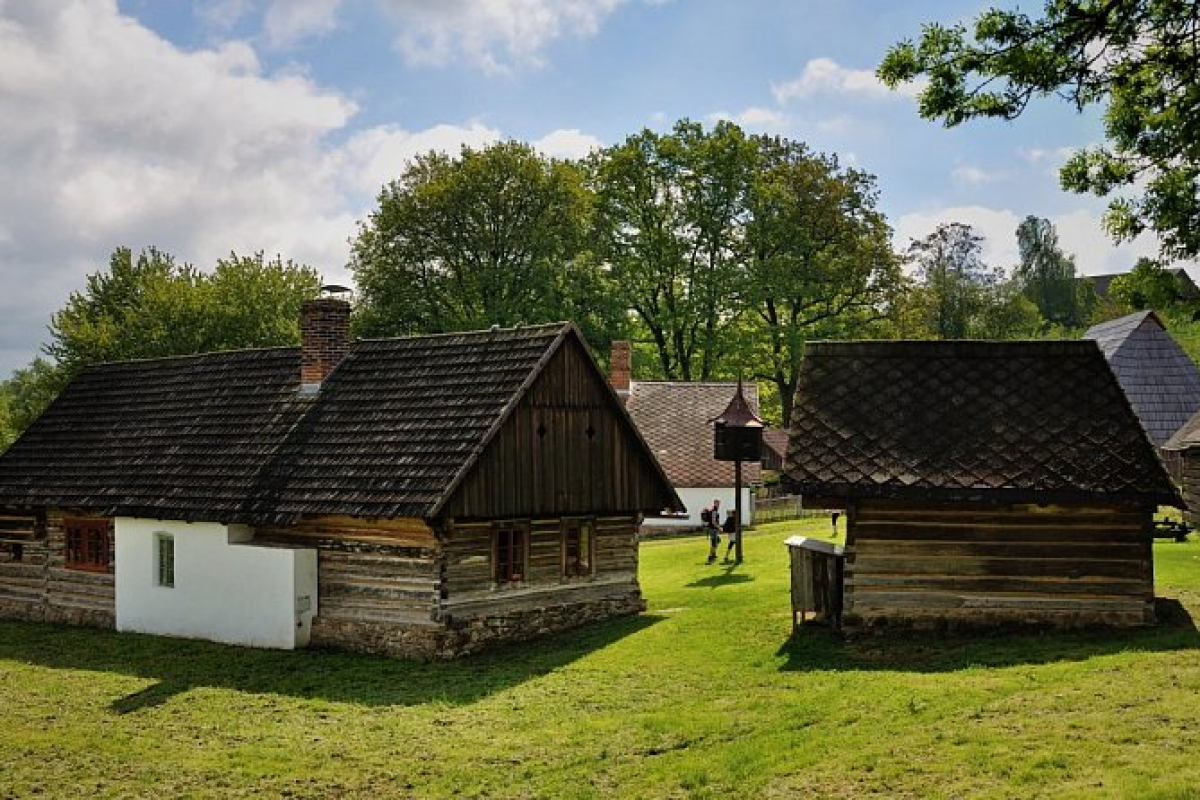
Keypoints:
pixel 227 436
pixel 776 439
pixel 968 421
pixel 676 420
pixel 1161 382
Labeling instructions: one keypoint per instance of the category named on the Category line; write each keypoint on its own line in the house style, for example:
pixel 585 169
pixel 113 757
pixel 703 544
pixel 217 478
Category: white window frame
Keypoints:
pixel 163 542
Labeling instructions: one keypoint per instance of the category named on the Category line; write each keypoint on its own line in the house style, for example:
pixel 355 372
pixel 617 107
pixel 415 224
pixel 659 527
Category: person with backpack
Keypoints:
pixel 730 529
pixel 711 517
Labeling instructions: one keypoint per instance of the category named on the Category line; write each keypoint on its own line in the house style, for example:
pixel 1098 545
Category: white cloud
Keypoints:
pixel 1079 234
pixel 826 76
pixel 497 35
pixel 114 137
pixel 223 14
pixel 972 175
pixel 290 21
pixel 377 155
pixel 567 143
pixel 757 119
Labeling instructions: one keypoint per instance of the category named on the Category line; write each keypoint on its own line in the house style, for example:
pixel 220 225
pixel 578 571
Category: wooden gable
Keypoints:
pixel 567 448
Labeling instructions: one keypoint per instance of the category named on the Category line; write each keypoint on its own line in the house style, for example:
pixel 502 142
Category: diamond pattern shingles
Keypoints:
pixel 987 421
pixel 1161 382
pixel 227 436
pixel 676 420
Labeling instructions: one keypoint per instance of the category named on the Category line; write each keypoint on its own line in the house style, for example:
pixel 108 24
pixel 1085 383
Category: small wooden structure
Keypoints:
pixel 817 570
pixel 457 491
pixel 1161 382
pixel 983 482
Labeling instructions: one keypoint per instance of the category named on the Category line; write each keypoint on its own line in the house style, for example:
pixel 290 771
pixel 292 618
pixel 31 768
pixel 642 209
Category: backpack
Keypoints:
pixel 706 517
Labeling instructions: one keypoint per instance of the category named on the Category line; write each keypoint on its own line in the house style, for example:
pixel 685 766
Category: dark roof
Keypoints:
pixel 676 419
pixel 228 437
pixel 968 421
pixel 776 439
pixel 1161 382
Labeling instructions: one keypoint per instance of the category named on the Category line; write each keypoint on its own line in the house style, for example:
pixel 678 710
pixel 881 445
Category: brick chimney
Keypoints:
pixel 324 340
pixel 620 370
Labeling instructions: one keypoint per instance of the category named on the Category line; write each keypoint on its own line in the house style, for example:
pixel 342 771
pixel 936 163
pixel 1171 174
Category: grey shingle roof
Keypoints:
pixel 1161 382
pixel 227 436
pixel 968 421
pixel 675 418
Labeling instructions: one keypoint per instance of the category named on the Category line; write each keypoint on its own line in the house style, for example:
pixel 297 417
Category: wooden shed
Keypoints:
pixel 983 482
pixel 1160 380
pixel 425 496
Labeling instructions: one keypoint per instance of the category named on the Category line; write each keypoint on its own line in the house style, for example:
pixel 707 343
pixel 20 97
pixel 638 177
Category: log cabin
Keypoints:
pixel 984 483
pixel 418 497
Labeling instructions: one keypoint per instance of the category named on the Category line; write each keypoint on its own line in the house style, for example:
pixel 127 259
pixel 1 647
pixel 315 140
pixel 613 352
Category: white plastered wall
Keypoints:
pixel 698 499
pixel 226 588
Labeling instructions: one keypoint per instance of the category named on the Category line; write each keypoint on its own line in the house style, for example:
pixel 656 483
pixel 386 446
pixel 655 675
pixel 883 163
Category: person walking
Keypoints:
pixel 730 529
pixel 711 517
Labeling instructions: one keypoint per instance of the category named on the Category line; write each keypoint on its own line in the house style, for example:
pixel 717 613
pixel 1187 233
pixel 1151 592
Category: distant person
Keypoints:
pixel 730 529
pixel 835 516
pixel 711 517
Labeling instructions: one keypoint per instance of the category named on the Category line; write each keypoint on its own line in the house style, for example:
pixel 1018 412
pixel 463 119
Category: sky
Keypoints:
pixel 202 127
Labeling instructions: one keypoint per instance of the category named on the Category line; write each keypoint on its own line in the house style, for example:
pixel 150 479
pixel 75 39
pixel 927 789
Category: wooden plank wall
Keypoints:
pixel 973 566
pixel 565 451
pixel 23 556
pixel 1190 465
pixel 368 570
pixel 467 570
pixel 71 593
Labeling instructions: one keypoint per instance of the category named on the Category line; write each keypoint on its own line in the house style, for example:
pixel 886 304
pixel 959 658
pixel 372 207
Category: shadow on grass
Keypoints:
pixel 814 647
pixel 178 665
pixel 727 576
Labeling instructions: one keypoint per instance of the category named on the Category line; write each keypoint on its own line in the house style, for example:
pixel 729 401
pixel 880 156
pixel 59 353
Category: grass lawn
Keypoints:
pixel 706 695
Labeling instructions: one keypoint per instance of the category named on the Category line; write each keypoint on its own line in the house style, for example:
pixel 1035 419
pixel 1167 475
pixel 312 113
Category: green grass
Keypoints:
pixel 706 695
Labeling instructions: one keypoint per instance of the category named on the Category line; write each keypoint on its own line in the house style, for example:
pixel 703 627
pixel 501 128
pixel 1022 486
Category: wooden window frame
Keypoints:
pixel 88 544
pixel 507 538
pixel 577 526
pixel 164 560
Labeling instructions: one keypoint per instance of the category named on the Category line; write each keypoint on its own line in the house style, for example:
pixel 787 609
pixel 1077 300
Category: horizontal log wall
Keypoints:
pixel 1190 465
pixel 35 584
pixel 373 571
pixel 469 589
pixel 974 566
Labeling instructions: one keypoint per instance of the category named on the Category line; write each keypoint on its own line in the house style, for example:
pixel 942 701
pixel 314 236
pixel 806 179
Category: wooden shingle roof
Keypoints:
pixel 1161 382
pixel 228 437
pixel 676 420
pixel 968 421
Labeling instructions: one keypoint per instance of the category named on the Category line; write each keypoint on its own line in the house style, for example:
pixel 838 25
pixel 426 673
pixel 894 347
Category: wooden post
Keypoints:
pixel 737 506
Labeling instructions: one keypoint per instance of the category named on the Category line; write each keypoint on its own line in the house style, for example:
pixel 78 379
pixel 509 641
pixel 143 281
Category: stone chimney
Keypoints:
pixel 620 370
pixel 324 340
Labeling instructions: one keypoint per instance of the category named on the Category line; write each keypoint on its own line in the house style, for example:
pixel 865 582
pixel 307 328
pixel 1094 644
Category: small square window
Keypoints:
pixel 511 546
pixel 88 544
pixel 165 560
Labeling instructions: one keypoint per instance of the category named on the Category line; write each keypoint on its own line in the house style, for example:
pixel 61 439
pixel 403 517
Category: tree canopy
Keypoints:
pixel 1047 275
pixel 1135 58
pixel 153 306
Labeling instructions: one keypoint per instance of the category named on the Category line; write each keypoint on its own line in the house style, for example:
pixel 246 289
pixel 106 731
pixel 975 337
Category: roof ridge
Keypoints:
pixel 185 356
pixel 548 326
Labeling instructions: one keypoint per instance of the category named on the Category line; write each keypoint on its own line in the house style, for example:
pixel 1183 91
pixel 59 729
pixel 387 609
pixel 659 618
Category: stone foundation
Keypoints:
pixel 461 637
pixel 62 615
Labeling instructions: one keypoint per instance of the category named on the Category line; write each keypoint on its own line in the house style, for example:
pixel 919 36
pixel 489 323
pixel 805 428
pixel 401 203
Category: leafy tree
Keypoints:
pixel 956 281
pixel 1047 275
pixel 819 255
pixel 1136 57
pixel 492 236
pixel 152 306
pixel 669 221
pixel 1147 285
pixel 25 395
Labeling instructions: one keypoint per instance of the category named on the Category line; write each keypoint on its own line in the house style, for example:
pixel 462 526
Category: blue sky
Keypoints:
pixel 205 127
